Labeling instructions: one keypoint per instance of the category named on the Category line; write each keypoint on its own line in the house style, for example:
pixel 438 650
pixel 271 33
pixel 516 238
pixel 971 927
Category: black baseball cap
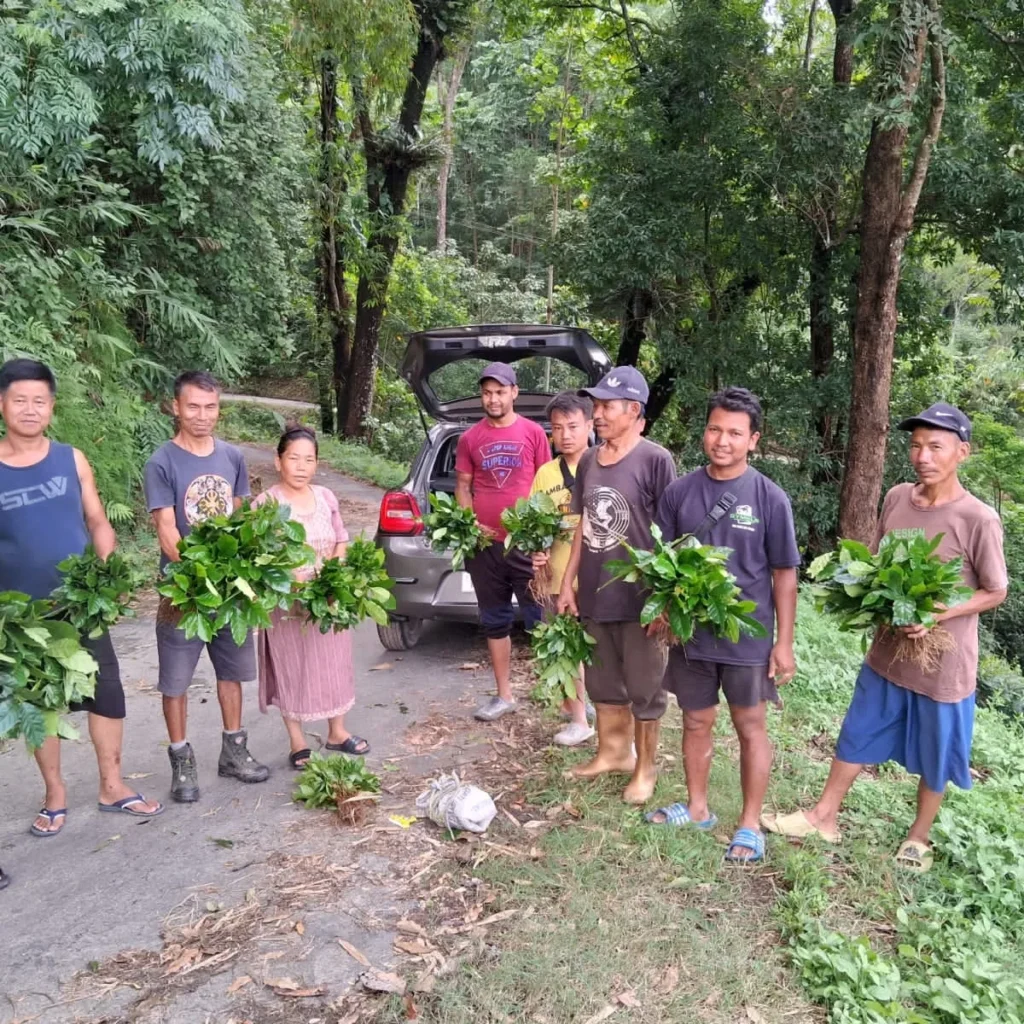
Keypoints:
pixel 625 382
pixel 941 416
pixel 501 372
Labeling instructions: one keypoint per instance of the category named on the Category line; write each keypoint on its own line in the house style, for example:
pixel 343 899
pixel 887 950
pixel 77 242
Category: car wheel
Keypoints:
pixel 400 635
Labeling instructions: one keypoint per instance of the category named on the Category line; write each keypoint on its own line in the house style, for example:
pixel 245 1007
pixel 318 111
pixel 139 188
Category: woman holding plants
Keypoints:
pixel 307 675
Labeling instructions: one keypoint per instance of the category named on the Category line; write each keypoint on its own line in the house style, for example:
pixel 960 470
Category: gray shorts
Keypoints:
pixel 696 683
pixel 178 656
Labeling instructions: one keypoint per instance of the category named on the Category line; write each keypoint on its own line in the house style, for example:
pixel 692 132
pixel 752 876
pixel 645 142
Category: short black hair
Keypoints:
pixel 26 369
pixel 568 402
pixel 738 400
pixel 297 433
pixel 197 379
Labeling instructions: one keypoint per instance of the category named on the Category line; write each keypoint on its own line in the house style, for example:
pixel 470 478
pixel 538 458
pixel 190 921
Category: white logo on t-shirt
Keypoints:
pixel 607 520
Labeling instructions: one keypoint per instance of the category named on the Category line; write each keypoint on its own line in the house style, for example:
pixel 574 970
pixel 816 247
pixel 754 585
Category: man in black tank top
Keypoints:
pixel 49 509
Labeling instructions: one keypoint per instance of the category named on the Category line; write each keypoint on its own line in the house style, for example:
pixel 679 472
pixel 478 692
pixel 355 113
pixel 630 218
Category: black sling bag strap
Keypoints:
pixel 567 478
pixel 715 514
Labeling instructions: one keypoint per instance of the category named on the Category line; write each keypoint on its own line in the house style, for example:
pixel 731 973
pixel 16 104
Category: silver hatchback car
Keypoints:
pixel 442 367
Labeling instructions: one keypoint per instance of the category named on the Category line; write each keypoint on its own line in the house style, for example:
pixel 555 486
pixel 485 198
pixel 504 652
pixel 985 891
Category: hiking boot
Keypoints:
pixel 184 775
pixel 615 751
pixel 237 763
pixel 645 775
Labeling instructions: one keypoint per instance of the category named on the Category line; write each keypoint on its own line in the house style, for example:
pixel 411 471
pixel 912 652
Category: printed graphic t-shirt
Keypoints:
pixel 759 530
pixel 550 481
pixel 503 462
pixel 197 487
pixel 971 530
pixel 618 504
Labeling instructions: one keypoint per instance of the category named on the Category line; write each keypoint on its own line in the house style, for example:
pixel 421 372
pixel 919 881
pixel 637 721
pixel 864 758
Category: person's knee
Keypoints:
pixel 751 724
pixel 496 623
pixel 699 723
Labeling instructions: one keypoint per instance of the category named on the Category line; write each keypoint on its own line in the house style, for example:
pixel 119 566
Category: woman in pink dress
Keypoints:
pixel 304 673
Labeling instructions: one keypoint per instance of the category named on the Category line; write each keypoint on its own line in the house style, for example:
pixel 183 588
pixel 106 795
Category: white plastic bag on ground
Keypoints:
pixel 457 805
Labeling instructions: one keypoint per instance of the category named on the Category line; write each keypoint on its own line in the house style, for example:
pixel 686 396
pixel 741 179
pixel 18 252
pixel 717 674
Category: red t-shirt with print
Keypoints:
pixel 503 462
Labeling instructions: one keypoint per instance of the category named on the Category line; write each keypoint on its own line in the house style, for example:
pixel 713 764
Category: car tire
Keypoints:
pixel 401 635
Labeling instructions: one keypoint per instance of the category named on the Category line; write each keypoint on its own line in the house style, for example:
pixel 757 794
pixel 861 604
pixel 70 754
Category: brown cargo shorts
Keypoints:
pixel 628 668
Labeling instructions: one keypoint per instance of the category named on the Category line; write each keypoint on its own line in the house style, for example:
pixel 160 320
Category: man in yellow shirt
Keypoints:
pixel 571 418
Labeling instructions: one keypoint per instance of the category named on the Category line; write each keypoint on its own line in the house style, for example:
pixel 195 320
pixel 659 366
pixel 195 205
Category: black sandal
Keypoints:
pixel 5 880
pixel 300 755
pixel 356 746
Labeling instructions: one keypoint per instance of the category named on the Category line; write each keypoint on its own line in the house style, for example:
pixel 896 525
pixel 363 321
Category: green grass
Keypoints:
pixel 247 421
pixel 820 933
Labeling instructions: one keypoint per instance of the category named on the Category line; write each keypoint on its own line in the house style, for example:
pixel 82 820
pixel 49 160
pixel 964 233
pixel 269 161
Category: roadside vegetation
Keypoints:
pixel 617 916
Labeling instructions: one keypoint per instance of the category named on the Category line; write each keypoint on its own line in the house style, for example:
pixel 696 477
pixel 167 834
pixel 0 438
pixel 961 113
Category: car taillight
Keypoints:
pixel 400 513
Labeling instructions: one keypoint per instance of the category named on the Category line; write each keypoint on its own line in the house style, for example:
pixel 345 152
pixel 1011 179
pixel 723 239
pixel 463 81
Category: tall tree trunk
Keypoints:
pixel 449 93
pixel 332 296
pixel 637 311
pixel 390 163
pixel 887 218
pixel 821 269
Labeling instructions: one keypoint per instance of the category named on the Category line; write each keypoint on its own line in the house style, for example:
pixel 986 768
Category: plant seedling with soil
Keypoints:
pixel 338 781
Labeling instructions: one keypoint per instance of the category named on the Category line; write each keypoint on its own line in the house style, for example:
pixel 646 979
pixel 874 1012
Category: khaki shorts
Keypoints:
pixel 628 668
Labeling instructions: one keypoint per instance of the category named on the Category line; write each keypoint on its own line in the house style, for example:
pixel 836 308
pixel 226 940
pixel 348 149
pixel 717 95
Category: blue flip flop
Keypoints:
pixel 679 815
pixel 125 807
pixel 748 839
pixel 50 816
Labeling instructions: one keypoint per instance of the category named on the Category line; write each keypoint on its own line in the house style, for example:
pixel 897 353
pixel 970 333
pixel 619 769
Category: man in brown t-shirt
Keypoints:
pixel 618 485
pixel 923 721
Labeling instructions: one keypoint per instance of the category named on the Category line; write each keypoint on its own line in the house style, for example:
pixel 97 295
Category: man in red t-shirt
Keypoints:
pixel 495 464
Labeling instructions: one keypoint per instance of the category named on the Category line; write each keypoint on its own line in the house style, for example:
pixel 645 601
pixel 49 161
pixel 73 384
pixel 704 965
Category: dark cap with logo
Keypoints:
pixel 501 372
pixel 625 382
pixel 941 416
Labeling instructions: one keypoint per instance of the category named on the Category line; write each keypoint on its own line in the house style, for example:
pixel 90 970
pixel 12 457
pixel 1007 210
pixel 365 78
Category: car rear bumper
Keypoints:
pixel 426 587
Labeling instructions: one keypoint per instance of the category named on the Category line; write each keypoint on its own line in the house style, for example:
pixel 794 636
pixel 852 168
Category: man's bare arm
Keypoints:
pixel 167 532
pixel 464 489
pixel 101 533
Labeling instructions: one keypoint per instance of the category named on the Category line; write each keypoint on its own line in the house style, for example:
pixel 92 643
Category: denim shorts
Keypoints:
pixel 179 656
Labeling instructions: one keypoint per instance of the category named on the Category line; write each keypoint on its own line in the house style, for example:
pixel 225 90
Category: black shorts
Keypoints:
pixel 696 683
pixel 108 700
pixel 496 576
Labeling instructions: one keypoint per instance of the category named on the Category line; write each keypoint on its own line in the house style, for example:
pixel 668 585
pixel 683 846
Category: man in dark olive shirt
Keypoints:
pixel 730 504
pixel 618 485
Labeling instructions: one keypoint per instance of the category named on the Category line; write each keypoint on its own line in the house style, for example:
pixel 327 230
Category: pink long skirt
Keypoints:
pixel 304 673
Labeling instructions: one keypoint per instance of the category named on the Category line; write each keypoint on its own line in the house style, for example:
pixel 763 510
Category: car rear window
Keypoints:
pixel 539 374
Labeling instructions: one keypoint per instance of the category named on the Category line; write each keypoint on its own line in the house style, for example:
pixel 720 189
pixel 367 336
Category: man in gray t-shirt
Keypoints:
pixel 730 504
pixel 618 485
pixel 191 478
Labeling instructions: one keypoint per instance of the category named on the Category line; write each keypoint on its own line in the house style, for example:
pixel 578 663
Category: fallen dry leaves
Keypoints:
pixel 238 984
pixel 288 988
pixel 353 952
pixel 382 981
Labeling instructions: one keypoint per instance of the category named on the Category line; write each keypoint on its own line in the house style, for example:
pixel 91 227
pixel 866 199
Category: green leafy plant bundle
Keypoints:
pixel 902 585
pixel 95 592
pixel 337 781
pixel 43 669
pixel 560 646
pixel 533 525
pixel 453 528
pixel 689 588
pixel 346 591
pixel 235 570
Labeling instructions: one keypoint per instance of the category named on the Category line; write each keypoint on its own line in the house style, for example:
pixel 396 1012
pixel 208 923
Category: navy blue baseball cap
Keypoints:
pixel 941 416
pixel 501 372
pixel 625 382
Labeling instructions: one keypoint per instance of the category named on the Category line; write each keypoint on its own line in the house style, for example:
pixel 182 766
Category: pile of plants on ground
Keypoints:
pixel 344 783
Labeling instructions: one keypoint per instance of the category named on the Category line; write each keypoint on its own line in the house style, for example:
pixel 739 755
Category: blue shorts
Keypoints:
pixel 886 722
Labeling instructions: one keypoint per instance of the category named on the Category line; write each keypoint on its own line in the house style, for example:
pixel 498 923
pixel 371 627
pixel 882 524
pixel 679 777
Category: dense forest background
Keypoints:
pixel 823 202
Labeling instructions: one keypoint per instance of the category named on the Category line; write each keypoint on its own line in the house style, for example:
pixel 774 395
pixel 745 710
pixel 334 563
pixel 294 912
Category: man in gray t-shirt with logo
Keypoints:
pixel 730 504
pixel 193 477
pixel 618 485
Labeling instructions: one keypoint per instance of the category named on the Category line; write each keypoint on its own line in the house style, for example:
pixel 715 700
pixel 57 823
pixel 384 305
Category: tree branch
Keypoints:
pixel 912 194
pixel 582 5
pixel 1010 44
